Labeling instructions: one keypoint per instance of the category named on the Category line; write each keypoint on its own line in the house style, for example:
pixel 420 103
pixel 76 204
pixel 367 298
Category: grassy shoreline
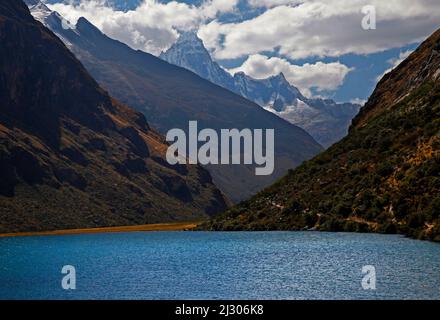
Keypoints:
pixel 176 226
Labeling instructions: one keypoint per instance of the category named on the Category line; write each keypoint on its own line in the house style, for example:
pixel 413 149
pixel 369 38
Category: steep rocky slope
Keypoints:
pixel 73 157
pixel 383 177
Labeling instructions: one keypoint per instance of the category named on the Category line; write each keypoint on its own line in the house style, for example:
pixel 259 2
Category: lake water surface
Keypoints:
pixel 208 265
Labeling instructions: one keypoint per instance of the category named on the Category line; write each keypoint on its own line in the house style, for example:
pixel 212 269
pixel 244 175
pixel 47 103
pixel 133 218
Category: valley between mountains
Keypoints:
pixel 170 96
pixel 83 119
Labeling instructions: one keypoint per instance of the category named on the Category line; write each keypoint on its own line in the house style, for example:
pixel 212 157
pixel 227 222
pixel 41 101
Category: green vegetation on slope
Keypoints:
pixel 383 177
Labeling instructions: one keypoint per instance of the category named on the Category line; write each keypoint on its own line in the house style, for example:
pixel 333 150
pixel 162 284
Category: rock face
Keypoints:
pixel 190 53
pixel 326 120
pixel 73 157
pixel 383 177
pixel 171 96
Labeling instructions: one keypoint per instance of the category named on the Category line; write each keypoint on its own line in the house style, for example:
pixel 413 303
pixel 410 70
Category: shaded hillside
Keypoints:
pixel 70 155
pixel 383 177
pixel 171 96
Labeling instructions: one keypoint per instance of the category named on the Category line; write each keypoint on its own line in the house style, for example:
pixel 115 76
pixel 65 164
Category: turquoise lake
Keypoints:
pixel 209 265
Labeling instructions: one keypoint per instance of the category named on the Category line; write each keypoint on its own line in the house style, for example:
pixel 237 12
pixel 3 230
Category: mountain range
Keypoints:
pixel 170 96
pixel 71 156
pixel 326 120
pixel 383 177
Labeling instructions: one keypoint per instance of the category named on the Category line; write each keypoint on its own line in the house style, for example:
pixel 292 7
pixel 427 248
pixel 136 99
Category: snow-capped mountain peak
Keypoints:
pixel 190 53
pixel 326 120
pixel 190 37
pixel 46 16
pixel 39 10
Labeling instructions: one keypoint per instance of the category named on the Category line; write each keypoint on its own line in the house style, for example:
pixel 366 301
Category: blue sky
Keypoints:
pixel 318 44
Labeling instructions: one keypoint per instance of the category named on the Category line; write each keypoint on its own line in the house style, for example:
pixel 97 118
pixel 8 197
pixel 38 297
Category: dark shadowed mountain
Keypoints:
pixel 383 177
pixel 171 96
pixel 73 157
pixel 326 120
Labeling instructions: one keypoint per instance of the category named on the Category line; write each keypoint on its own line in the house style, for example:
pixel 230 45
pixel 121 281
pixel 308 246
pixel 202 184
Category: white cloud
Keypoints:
pixel 320 76
pixel 271 3
pixel 151 27
pixel 358 101
pixel 395 62
pixel 323 28
pixel 292 28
